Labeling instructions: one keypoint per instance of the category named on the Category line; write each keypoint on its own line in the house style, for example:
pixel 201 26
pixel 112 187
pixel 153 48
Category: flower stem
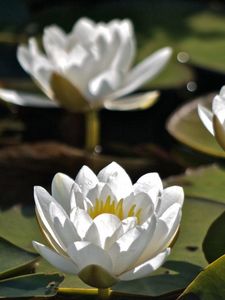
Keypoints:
pixel 92 123
pixel 77 291
pixel 104 294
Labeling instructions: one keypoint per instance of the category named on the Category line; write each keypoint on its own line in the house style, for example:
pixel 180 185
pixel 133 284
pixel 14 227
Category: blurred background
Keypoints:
pixel 195 29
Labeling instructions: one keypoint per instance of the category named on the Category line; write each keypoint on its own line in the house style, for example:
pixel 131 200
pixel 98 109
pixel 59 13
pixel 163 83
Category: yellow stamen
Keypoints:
pixel 131 211
pixel 113 207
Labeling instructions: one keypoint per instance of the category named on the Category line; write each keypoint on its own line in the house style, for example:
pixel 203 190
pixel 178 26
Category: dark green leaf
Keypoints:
pixel 214 242
pixel 34 285
pixel 14 260
pixel 209 284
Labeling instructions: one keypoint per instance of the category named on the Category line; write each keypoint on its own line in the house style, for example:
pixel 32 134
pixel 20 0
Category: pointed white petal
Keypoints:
pixel 151 180
pixel 26 99
pixel 42 201
pixel 25 58
pixel 127 249
pixel 206 118
pixel 105 83
pixel 66 231
pixel 146 268
pixel 126 46
pixel 167 226
pixel 107 192
pixel 170 195
pixel 62 189
pixel 106 225
pixel 53 36
pixel 60 262
pixel 135 102
pixel 81 220
pixel 86 179
pixel 84 30
pixel 95 193
pixel 144 71
pixel 84 254
pixel 117 178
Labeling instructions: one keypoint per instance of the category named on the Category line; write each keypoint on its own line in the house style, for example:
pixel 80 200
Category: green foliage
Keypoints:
pixel 20 260
pixel 209 284
pixel 214 242
pixel 33 285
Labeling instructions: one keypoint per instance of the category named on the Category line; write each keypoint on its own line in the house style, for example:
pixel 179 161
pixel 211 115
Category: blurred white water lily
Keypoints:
pixel 214 120
pixel 90 67
pixel 104 229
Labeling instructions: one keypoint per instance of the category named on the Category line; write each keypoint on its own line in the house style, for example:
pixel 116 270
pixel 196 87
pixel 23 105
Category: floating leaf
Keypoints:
pixel 186 126
pixel 214 242
pixel 204 183
pixel 209 284
pixel 18 225
pixel 176 276
pixel 34 285
pixel 14 260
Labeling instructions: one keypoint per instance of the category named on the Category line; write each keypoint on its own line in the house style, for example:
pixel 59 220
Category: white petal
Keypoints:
pixel 206 118
pixel 62 189
pixel 218 106
pixel 26 99
pixel 151 180
pixel 84 30
pixel 81 220
pixel 129 223
pixel 85 253
pixel 106 225
pixel 117 178
pixel 92 235
pixel 166 228
pixel 86 179
pixel 53 36
pixel 126 44
pixel 170 195
pixel 66 231
pixel 127 249
pixel 142 202
pixel 58 261
pixel 42 201
pixel 146 268
pixel 135 102
pixel 25 58
pixel 144 71
pixel 107 192
pixel 95 193
pixel 105 83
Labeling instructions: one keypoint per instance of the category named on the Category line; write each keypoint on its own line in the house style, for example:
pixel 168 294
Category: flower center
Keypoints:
pixel 115 208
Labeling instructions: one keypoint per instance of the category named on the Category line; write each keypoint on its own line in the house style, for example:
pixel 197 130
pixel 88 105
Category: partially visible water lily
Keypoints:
pixel 104 229
pixel 214 120
pixel 89 68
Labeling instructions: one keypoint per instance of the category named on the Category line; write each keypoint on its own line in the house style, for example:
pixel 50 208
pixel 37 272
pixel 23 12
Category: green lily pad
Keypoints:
pixel 186 126
pixel 14 260
pixel 214 242
pixel 203 183
pixel 18 225
pixel 34 285
pixel 209 284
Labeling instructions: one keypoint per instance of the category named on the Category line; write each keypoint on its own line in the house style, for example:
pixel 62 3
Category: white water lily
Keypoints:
pixel 90 67
pixel 104 229
pixel 214 120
